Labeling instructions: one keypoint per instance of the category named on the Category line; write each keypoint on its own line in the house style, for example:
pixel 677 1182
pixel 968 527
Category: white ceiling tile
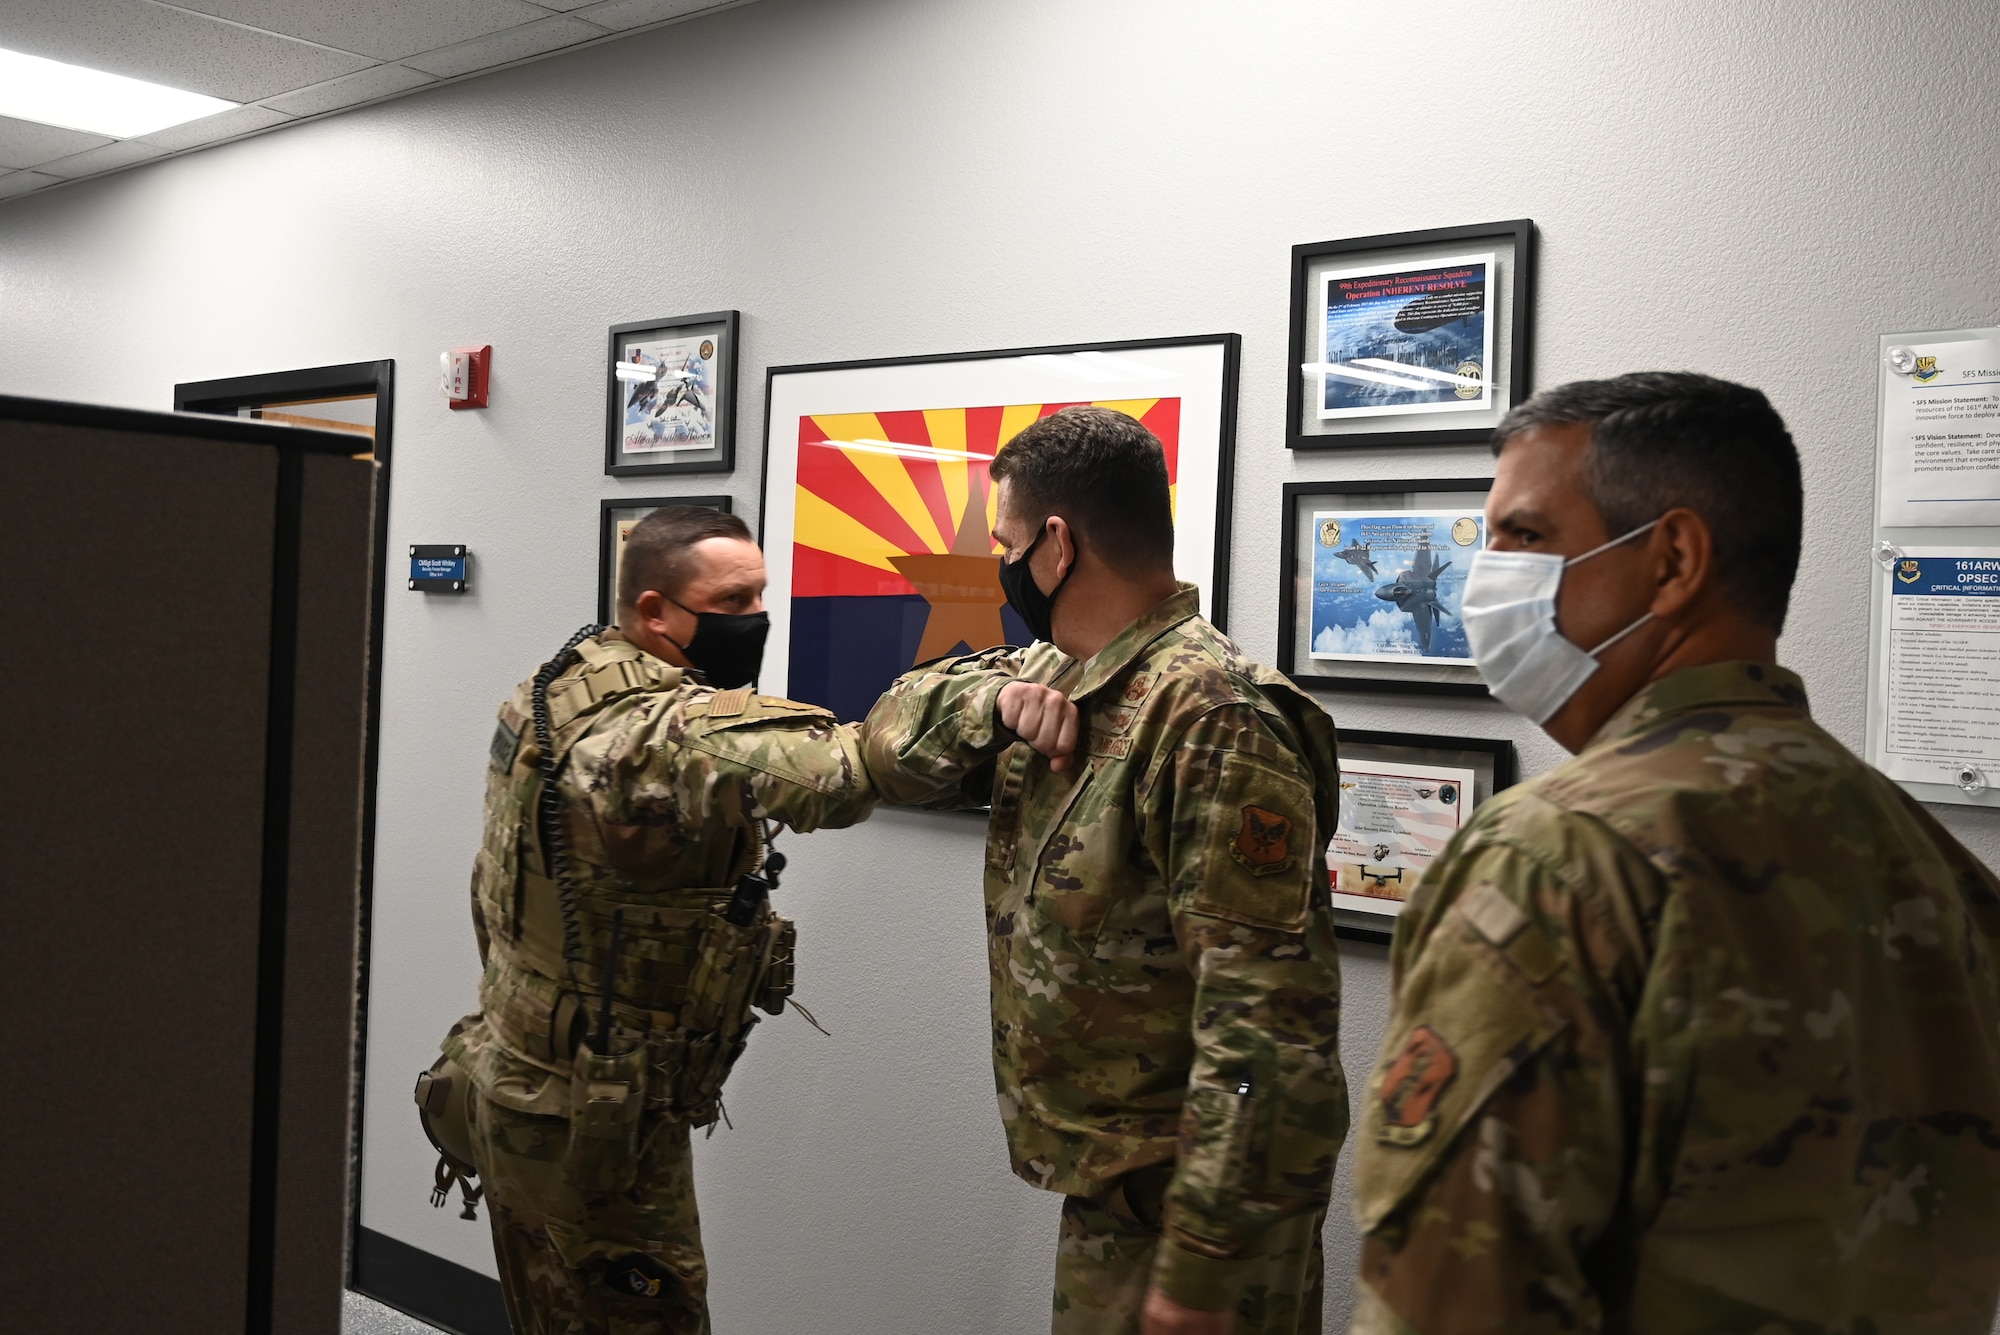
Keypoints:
pixel 20 183
pixel 385 29
pixel 30 143
pixel 169 46
pixel 530 39
pixel 225 125
pixel 348 89
pixel 119 153
pixel 620 14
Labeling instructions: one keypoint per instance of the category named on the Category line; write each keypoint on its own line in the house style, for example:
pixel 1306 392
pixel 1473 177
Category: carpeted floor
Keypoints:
pixel 365 1316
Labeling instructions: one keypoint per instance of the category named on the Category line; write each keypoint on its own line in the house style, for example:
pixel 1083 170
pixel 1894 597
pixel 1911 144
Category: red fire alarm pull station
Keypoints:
pixel 462 375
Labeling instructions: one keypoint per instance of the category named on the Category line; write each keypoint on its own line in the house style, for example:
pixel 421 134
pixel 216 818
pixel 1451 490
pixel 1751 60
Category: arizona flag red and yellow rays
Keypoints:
pixel 893 558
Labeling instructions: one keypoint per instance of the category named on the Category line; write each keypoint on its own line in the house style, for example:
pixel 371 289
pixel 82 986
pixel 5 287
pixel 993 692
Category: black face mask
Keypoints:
pixel 728 647
pixel 1033 606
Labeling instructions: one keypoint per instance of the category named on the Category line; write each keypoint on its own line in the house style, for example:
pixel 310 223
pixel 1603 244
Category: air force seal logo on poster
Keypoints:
pixel 1927 370
pixel 1909 570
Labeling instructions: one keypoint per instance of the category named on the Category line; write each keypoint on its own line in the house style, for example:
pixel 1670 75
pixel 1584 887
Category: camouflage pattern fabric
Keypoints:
pixel 1105 1258
pixel 1165 984
pixel 1697 1032
pixel 664 782
pixel 625 1263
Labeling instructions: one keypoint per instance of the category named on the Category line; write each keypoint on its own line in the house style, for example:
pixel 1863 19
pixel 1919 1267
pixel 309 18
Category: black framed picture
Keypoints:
pixel 615 518
pixel 1410 338
pixel 878 504
pixel 1402 797
pixel 671 396
pixel 1372 583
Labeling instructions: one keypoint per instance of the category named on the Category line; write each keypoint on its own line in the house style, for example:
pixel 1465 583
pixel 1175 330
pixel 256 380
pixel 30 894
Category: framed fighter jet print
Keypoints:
pixel 878 509
pixel 1373 584
pixel 1412 338
pixel 670 388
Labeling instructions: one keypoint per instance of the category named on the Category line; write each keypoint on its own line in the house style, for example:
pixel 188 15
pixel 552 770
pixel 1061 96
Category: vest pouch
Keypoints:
pixel 778 968
pixel 606 1097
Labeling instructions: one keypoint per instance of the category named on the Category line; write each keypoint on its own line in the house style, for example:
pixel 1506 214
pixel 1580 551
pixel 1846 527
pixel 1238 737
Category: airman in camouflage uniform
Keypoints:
pixel 1700 1031
pixel 1165 984
pixel 664 787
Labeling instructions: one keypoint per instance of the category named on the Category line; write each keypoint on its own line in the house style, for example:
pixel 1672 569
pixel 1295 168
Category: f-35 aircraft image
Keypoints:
pixel 1356 554
pixel 1416 591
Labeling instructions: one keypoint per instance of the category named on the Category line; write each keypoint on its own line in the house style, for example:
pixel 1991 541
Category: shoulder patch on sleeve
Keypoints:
pixel 1264 842
pixel 1256 860
pixel 730 703
pixel 1411 1086
pixel 505 739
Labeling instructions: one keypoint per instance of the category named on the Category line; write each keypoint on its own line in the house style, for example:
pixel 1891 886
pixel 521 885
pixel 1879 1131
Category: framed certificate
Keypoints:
pixel 1411 338
pixel 1402 798
pixel 671 396
pixel 1372 584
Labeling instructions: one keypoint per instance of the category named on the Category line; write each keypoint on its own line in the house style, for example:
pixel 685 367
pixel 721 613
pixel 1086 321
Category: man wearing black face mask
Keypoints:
pixel 622 916
pixel 1165 987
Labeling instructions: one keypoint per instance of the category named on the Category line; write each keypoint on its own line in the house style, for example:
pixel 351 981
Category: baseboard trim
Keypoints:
pixel 429 1288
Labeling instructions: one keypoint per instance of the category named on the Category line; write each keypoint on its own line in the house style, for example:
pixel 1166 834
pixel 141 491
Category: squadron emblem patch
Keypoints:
pixel 1412 1086
pixel 639 1276
pixel 1264 842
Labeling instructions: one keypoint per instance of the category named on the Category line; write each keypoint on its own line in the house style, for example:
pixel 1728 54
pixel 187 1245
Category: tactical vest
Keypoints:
pixel 639 991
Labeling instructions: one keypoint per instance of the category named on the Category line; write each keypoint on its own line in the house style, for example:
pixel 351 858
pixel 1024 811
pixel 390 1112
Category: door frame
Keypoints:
pixel 223 397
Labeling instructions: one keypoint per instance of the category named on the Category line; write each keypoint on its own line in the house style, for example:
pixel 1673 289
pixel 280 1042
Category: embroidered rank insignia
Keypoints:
pixel 1264 843
pixel 1412 1086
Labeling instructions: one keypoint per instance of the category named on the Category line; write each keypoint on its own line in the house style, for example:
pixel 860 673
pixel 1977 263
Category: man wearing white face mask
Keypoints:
pixel 1700 1030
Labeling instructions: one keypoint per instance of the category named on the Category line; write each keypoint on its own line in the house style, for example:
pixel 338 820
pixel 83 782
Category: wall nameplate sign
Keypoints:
pixel 439 567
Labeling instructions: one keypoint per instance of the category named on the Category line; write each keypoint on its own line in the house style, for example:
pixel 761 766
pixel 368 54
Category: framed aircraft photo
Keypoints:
pixel 670 389
pixel 1373 583
pixel 1413 338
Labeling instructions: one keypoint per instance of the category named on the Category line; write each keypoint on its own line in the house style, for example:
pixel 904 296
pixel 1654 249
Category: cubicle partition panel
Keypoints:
pixel 185 655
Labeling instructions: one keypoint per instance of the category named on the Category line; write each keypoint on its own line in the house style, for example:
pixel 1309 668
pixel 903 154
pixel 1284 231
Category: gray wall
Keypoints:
pixel 1755 191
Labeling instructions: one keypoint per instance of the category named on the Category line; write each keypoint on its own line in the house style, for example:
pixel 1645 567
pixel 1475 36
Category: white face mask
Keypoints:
pixel 1510 621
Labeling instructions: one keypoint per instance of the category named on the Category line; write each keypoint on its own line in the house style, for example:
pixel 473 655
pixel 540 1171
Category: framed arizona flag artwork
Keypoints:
pixel 878 510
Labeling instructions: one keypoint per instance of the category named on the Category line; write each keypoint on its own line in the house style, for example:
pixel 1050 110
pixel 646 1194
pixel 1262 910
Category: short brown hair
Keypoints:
pixel 659 551
pixel 1102 471
pixel 1661 440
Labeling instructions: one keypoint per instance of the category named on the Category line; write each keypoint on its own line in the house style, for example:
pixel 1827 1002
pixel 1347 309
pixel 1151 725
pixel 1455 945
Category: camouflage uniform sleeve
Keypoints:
pixel 776 759
pixel 933 738
pixel 1230 821
pixel 1509 1114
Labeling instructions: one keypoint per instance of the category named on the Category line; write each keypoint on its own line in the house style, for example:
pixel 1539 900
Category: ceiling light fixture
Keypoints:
pixel 48 91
